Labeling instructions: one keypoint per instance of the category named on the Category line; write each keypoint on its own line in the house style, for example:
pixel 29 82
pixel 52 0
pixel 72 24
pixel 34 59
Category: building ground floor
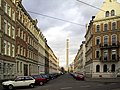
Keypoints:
pixel 25 67
pixel 97 69
pixel 7 69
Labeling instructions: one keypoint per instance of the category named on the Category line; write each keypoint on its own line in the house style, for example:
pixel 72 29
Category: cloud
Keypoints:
pixel 57 31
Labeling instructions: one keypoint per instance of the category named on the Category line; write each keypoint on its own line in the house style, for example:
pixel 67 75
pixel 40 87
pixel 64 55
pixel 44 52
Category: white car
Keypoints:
pixel 19 81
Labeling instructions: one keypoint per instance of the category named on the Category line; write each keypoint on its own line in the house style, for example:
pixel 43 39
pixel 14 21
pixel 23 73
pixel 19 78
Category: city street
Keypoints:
pixel 66 82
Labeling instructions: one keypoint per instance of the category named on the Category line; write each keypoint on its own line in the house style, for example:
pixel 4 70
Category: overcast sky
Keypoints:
pixel 55 31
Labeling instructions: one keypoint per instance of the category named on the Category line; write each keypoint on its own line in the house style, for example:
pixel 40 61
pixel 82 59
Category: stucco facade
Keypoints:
pixel 102 42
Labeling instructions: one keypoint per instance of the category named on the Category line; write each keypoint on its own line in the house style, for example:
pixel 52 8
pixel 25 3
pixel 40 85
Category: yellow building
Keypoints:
pixel 102 42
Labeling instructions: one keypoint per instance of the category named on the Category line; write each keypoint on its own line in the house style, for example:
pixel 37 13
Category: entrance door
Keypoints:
pixel 25 70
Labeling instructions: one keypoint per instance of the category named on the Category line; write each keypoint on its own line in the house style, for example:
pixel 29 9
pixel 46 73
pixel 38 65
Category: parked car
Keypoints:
pixel 79 77
pixel 19 81
pixel 39 80
pixel 45 76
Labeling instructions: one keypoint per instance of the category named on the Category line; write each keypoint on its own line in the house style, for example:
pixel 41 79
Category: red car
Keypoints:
pixel 79 77
pixel 39 80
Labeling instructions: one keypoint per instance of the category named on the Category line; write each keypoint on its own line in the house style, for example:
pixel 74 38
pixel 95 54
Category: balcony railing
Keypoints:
pixel 109 45
pixel 107 59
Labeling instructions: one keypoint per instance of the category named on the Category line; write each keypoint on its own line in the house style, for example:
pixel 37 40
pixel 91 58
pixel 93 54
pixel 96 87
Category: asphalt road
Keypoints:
pixel 66 82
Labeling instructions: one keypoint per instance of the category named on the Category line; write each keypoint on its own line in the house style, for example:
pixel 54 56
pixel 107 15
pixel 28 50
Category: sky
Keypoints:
pixel 55 31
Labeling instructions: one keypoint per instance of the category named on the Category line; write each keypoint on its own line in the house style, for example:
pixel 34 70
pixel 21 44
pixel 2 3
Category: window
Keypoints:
pixel 18 66
pixel 21 67
pixel 5 6
pixel 113 54
pixel 112 12
pixel 18 49
pixel 18 32
pixel 24 52
pixel 113 68
pixel 105 40
pixel 13 33
pixel 8 49
pixel 9 27
pixel 5 26
pixel 13 15
pixel 9 10
pixel 13 51
pixel 105 54
pixel 13 1
pixel 105 68
pixel 97 40
pixel 98 28
pixel 105 27
pixel 0 45
pixel 114 39
pixel 98 68
pixel 107 14
pixel 113 25
pixel 5 47
pixel 97 54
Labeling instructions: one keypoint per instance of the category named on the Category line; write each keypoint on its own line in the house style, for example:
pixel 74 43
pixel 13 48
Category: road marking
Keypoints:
pixel 85 86
pixel 66 88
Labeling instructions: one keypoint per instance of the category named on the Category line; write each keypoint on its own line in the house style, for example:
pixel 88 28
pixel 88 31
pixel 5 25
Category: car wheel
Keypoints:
pixel 32 85
pixel 41 83
pixel 10 87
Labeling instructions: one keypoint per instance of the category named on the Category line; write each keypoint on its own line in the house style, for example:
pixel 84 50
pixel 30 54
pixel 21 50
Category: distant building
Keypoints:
pixel 103 42
pixel 79 61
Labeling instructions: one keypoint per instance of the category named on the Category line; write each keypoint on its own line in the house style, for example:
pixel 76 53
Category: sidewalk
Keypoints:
pixel 104 80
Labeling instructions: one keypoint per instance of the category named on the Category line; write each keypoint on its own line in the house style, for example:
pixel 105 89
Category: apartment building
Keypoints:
pixel 41 53
pixel 53 62
pixel 79 61
pixel 102 42
pixel 23 47
pixel 26 43
pixel 7 38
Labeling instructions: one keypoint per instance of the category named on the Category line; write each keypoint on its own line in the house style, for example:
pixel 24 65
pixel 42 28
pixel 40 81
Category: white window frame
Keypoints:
pixel 9 10
pixel 5 26
pixel 5 47
pixel 5 6
pixel 13 50
pixel 9 29
pixel 8 49
pixel 13 32
pixel 111 38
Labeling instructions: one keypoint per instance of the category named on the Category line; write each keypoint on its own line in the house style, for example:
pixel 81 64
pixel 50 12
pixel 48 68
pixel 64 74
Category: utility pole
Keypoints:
pixel 67 54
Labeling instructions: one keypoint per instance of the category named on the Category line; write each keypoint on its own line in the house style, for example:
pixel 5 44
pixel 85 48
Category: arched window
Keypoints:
pixel 106 40
pixel 107 14
pixel 105 68
pixel 98 68
pixel 113 25
pixel 112 12
pixel 97 40
pixel 105 27
pixel 114 39
pixel 98 28
pixel 113 68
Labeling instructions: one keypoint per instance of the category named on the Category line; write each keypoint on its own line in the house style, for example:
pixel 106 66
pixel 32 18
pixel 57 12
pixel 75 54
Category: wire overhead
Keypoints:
pixel 56 18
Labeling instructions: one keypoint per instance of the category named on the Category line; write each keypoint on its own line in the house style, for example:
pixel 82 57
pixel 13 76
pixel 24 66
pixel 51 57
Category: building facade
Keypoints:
pixel 7 38
pixel 79 61
pixel 23 47
pixel 103 41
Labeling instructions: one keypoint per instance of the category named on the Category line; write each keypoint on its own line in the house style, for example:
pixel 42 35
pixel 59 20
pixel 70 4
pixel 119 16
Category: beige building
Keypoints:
pixel 102 42
pixel 79 61
pixel 53 62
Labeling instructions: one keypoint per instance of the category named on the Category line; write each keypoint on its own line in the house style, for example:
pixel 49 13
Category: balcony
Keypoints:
pixel 109 46
pixel 112 59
